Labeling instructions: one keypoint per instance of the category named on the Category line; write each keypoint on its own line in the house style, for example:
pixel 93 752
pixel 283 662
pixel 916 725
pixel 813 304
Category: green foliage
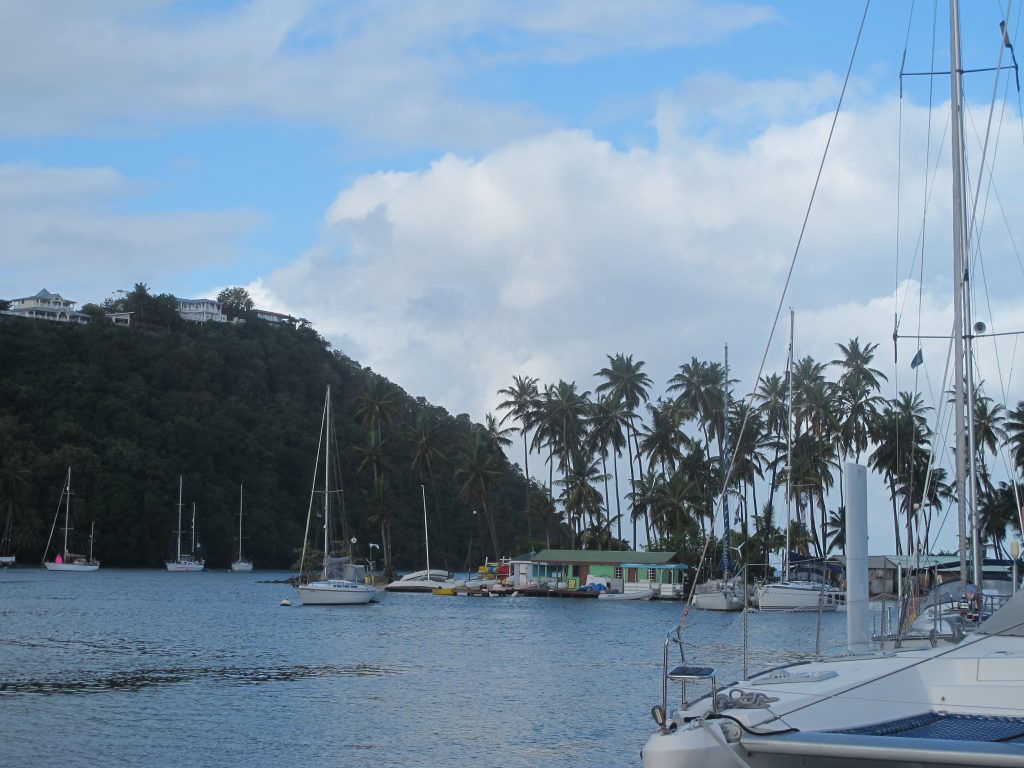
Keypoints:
pixel 132 408
pixel 235 302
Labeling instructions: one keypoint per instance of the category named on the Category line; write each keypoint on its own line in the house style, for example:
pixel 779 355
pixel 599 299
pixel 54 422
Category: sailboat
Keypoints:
pixel 800 589
pixel 66 560
pixel 727 593
pixel 948 704
pixel 339 581
pixel 242 564
pixel 426 580
pixel 185 562
pixel 7 559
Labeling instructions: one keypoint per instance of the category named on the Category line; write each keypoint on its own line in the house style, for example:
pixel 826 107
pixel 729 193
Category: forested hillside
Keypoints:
pixel 129 409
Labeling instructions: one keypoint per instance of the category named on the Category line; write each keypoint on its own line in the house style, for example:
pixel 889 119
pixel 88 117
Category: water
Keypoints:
pixel 133 667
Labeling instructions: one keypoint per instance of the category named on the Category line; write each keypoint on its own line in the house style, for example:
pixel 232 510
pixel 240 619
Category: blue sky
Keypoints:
pixel 457 192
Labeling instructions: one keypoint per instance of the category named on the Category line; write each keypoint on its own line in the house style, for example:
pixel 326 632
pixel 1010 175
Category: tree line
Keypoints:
pixel 792 436
pixel 131 409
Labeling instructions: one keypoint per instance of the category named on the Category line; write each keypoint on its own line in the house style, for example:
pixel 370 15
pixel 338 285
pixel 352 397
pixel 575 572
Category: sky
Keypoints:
pixel 457 192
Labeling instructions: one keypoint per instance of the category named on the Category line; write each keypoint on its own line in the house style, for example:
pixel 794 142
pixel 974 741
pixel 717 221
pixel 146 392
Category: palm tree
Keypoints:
pixel 476 472
pixel 1014 426
pixel 375 406
pixel 772 399
pixel 373 458
pixel 521 404
pixel 580 497
pixel 901 435
pixel 625 381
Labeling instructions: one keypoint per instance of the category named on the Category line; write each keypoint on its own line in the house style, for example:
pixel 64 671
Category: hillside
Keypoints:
pixel 131 409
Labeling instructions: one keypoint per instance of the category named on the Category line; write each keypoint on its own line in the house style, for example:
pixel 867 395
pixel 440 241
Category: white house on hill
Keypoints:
pixel 201 310
pixel 47 306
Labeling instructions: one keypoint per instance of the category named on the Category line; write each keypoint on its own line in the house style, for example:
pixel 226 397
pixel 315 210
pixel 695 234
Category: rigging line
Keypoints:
pixel 789 278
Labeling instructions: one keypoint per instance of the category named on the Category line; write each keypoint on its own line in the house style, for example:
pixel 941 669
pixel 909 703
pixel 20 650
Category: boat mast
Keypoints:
pixel 193 529
pixel 179 519
pixel 327 489
pixel 789 445
pixel 92 535
pixel 426 534
pixel 240 485
pixel 963 482
pixel 725 468
pixel 67 511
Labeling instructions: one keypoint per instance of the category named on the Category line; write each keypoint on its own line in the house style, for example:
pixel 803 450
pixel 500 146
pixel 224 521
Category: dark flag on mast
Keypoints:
pixel 918 358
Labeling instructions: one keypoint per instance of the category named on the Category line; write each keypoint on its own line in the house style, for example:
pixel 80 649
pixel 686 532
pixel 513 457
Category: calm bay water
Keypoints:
pixel 136 667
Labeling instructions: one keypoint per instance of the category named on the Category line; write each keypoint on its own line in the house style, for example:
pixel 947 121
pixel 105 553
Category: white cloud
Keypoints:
pixel 381 70
pixel 546 255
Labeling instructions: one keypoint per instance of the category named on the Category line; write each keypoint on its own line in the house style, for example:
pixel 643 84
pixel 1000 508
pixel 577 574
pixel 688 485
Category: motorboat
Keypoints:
pixel 421 581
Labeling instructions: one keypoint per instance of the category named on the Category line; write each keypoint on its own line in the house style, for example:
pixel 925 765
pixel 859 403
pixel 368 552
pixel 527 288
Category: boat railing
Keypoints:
pixel 684 674
pixel 952 617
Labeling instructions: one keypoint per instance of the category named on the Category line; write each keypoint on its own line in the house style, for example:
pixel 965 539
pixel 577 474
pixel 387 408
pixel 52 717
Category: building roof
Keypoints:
pixel 605 557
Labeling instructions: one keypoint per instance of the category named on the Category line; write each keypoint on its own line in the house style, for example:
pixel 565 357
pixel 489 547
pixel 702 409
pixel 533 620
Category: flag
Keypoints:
pixel 918 358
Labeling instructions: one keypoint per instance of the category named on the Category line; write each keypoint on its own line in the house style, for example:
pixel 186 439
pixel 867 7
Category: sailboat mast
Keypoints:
pixel 327 488
pixel 725 467
pixel 92 535
pixel 67 511
pixel 179 519
pixel 193 529
pixel 426 534
pixel 789 444
pixel 240 486
pixel 959 249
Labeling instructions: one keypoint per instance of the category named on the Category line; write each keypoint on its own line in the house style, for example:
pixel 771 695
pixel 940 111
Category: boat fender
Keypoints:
pixel 286 603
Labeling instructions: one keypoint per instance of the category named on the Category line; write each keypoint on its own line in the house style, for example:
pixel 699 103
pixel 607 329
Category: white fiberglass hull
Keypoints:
pixel 719 595
pixel 185 566
pixel 421 581
pixel 640 594
pixel 7 561
pixel 797 596
pixel 876 709
pixel 336 592
pixel 241 566
pixel 81 567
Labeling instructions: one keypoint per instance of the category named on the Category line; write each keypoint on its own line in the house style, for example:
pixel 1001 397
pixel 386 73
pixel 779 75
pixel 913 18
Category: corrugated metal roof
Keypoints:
pixel 593 556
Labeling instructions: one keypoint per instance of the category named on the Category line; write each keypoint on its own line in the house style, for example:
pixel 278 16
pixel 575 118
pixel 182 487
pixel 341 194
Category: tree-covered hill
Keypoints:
pixel 129 409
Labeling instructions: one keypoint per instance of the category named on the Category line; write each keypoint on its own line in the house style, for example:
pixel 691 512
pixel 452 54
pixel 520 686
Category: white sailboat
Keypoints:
pixel 66 560
pixel 185 562
pixel 954 704
pixel 242 564
pixel 809 591
pixel 726 593
pixel 340 581
pixel 428 579
pixel 7 560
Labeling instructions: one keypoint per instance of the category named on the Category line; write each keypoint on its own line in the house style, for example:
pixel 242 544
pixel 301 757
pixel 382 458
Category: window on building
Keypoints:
pixel 652 574
pixel 618 572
